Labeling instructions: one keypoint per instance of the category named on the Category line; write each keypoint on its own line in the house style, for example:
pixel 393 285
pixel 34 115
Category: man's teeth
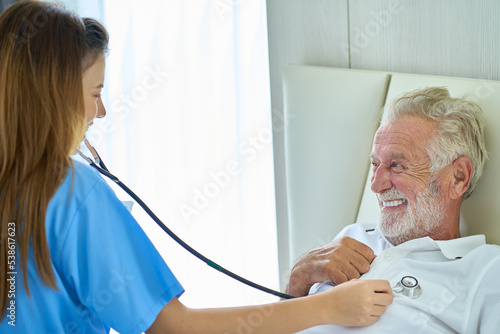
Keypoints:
pixel 394 203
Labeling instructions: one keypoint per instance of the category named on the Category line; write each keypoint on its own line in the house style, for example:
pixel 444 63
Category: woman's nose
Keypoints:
pixel 101 111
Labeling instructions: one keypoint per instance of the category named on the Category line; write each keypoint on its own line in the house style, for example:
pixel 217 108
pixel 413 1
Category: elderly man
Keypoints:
pixel 427 157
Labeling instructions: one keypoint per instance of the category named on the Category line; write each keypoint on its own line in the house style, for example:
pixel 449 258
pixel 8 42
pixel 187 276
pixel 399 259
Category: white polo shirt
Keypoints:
pixel 459 281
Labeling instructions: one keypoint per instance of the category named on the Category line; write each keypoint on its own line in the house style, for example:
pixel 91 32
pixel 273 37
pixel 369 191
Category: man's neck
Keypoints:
pixel 434 235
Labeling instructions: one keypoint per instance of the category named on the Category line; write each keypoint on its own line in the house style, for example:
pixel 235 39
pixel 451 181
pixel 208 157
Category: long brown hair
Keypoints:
pixel 44 50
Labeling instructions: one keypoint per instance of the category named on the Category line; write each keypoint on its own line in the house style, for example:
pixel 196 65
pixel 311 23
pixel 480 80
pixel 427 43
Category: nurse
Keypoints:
pixel 73 259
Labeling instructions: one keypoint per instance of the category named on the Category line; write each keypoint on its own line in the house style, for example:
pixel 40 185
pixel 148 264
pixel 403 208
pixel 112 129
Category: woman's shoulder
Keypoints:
pixel 84 172
pixel 82 196
pixel 80 187
pixel 80 179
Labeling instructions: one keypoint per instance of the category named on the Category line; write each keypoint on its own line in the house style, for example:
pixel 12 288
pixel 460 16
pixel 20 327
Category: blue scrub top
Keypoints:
pixel 107 271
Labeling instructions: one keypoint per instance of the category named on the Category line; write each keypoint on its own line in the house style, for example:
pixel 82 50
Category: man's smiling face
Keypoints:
pixel 408 194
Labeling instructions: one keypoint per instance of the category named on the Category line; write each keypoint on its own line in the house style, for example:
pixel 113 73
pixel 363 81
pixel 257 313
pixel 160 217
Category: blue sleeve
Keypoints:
pixel 112 265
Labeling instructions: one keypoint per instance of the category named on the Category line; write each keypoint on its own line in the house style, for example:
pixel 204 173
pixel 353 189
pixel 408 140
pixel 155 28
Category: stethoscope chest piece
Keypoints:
pixel 408 286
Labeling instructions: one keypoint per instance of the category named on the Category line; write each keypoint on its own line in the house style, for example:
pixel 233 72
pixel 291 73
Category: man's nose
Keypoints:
pixel 381 179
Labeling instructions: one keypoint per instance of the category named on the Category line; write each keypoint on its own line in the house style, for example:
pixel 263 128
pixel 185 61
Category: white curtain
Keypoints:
pixel 188 127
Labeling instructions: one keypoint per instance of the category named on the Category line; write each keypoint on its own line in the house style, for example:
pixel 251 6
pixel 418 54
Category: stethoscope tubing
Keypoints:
pixel 104 171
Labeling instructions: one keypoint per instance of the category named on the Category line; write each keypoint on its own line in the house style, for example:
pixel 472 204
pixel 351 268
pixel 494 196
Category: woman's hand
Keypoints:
pixel 357 302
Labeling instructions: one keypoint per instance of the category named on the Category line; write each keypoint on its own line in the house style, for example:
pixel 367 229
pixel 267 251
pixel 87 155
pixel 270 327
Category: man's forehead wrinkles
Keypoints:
pixel 391 156
pixel 395 138
pixel 408 132
pixel 399 156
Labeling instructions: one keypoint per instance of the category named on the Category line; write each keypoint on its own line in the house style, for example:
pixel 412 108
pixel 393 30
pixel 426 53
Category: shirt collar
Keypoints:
pixel 451 249
pixel 460 247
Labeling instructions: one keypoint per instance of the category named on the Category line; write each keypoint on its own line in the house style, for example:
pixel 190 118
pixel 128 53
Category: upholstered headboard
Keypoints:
pixel 331 117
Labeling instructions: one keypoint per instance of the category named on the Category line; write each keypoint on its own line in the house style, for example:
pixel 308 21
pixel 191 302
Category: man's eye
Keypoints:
pixel 396 165
pixel 97 96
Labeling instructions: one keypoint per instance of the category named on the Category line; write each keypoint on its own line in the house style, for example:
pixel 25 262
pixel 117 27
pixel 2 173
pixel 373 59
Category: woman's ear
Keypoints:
pixel 462 174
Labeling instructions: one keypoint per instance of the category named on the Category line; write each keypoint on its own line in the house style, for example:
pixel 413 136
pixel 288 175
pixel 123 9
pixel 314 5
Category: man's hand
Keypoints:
pixel 340 261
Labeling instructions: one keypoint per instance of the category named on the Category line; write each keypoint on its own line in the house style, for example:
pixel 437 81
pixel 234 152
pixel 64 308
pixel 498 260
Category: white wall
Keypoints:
pixel 437 37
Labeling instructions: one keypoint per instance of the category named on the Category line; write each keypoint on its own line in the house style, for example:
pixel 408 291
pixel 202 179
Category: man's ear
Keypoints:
pixel 461 178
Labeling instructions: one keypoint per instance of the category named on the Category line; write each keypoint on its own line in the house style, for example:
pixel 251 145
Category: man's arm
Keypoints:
pixel 339 261
pixel 357 303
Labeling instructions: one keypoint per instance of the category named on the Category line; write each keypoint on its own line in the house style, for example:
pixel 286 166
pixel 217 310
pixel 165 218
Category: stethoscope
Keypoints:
pixel 408 286
pixel 98 164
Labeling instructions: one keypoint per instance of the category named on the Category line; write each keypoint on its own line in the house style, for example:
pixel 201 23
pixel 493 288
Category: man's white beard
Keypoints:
pixel 416 221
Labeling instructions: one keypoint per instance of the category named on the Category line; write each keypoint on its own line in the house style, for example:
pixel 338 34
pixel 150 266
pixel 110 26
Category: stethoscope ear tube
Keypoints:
pixel 104 171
